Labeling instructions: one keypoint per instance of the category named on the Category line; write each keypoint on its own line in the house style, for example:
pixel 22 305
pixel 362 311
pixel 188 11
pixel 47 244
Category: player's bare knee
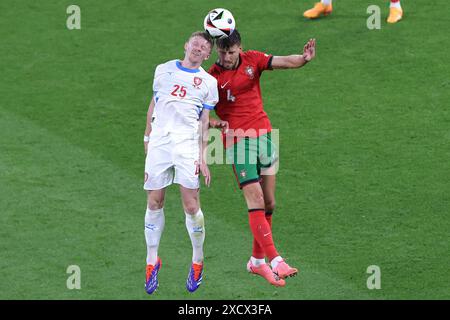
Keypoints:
pixel 191 205
pixel 155 200
pixel 191 208
pixel 155 203
pixel 155 206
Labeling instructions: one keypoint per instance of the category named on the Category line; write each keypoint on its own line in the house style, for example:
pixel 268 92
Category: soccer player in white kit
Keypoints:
pixel 175 141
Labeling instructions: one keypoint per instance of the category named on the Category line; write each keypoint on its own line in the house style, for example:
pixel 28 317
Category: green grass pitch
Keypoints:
pixel 364 157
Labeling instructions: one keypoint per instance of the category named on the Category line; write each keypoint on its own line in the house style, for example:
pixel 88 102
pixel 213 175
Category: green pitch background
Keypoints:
pixel 365 148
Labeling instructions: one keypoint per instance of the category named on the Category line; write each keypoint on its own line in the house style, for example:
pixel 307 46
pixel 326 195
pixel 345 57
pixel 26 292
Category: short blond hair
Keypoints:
pixel 205 35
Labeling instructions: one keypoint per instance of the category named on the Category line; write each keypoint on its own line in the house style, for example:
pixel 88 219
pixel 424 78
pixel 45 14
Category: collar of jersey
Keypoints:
pixel 186 69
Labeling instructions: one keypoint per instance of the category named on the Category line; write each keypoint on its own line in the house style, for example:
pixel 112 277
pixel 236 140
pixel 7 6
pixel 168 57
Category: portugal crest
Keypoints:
pixel 250 72
pixel 197 82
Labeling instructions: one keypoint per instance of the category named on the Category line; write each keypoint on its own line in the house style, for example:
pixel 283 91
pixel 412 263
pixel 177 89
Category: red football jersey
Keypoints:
pixel 240 101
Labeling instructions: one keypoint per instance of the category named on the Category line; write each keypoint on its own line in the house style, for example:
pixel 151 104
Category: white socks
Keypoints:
pixel 327 2
pixel 195 225
pixel 257 262
pixel 154 226
pixel 275 261
pixel 395 5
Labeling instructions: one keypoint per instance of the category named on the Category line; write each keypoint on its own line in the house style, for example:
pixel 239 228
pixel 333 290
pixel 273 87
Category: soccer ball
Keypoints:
pixel 219 23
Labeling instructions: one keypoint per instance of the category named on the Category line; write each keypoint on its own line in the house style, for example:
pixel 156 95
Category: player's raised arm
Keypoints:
pixel 296 60
pixel 148 127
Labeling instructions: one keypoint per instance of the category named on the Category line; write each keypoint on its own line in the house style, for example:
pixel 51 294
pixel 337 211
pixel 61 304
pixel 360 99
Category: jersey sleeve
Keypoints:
pixel 156 82
pixel 263 60
pixel 213 95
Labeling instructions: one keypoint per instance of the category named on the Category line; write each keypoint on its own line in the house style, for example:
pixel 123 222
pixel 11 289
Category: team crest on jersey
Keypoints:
pixel 197 82
pixel 243 173
pixel 250 72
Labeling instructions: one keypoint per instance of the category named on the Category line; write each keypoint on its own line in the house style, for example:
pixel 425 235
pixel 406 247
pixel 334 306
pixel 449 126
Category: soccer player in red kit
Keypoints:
pixel 248 142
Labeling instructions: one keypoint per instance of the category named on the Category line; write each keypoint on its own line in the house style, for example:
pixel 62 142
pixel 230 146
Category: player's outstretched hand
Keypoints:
pixel 205 172
pixel 309 50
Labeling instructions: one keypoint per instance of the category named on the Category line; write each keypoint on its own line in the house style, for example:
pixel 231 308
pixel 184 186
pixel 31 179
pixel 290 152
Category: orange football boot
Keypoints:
pixel 318 10
pixel 265 272
pixel 395 15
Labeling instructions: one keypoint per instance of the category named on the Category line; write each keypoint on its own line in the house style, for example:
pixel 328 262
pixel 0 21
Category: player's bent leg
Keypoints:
pixel 259 226
pixel 261 231
pixel 195 225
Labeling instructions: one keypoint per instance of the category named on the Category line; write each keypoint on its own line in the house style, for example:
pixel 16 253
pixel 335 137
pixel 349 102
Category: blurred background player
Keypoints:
pixel 325 7
pixel 240 104
pixel 177 119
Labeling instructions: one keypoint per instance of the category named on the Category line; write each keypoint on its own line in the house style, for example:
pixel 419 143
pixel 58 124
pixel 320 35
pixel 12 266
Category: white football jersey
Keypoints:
pixel 180 95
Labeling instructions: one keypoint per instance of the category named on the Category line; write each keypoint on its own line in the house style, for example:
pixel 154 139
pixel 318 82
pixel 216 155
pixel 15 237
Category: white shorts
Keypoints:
pixel 172 158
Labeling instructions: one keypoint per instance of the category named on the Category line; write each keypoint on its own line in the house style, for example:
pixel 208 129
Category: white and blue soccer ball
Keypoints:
pixel 219 23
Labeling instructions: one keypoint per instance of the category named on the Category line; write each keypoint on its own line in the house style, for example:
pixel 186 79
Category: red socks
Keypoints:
pixel 260 224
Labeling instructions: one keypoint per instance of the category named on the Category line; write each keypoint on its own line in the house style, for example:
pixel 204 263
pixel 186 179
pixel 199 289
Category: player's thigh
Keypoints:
pixel 267 155
pixel 186 159
pixel 155 199
pixel 243 156
pixel 158 167
pixel 253 195
pixel 190 199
